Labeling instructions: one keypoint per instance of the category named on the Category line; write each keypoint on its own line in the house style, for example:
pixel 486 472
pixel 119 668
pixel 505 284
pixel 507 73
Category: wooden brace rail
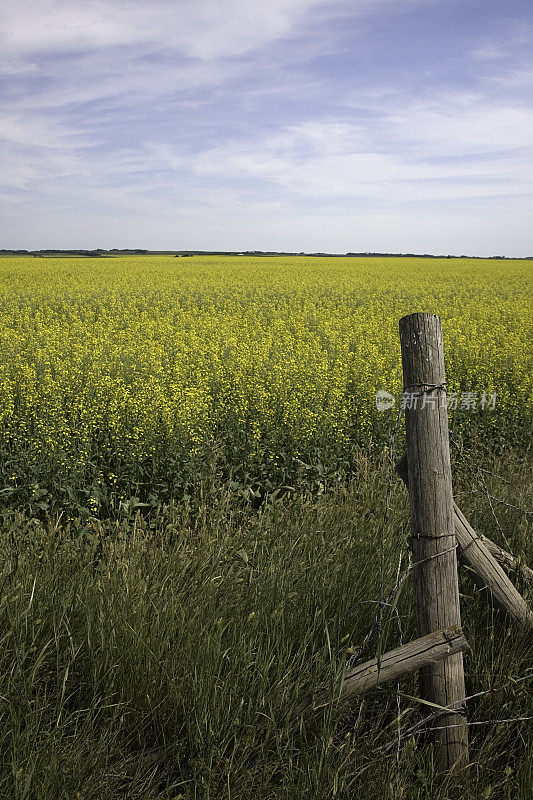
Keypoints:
pixel 394 665
pixel 481 556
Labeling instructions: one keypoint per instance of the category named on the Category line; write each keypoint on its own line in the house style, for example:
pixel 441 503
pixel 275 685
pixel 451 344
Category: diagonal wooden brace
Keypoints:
pixel 391 667
pixel 506 560
pixel 474 552
pixel 404 660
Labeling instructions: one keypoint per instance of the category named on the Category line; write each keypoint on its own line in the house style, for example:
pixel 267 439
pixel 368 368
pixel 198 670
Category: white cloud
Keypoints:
pixel 204 29
pixel 455 128
pixel 37 131
pixel 413 153
pixel 125 110
pixel 79 52
pixel 490 52
pixel 409 157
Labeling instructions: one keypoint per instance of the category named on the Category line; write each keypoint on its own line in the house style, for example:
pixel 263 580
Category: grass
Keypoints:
pixel 192 532
pixel 165 656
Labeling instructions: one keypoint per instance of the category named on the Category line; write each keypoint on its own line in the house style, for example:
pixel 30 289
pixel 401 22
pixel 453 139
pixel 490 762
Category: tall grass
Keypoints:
pixel 166 657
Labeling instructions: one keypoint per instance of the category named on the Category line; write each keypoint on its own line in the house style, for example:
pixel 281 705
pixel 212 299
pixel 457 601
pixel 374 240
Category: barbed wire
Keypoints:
pixel 480 479
pixel 390 466
pixel 503 502
pixel 401 577
pixel 419 729
pixel 391 602
pixel 398 585
pixel 429 387
pixel 493 474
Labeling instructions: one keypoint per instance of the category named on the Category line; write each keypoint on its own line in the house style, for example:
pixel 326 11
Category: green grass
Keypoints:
pixel 165 656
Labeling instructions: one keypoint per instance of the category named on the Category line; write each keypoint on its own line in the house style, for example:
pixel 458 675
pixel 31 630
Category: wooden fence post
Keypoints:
pixel 474 550
pixel 432 526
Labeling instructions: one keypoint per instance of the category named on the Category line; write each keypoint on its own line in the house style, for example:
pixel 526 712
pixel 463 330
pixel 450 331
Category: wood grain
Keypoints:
pixel 432 526
pixel 474 551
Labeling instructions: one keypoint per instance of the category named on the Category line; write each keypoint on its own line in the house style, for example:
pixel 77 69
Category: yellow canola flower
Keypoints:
pixel 115 364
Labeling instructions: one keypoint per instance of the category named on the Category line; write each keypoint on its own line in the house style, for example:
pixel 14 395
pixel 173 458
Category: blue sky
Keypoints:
pixel 315 125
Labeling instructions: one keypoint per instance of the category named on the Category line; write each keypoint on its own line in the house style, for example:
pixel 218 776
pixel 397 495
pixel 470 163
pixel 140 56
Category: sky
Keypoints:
pixel 300 125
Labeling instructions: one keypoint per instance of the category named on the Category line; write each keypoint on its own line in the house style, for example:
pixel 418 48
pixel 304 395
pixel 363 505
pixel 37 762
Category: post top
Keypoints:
pixel 420 314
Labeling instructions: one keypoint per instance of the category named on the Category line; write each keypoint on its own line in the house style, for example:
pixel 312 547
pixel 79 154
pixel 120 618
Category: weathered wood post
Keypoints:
pixel 432 526
pixel 484 559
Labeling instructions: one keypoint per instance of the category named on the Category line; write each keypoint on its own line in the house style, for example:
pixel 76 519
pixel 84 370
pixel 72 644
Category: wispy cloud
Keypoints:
pixel 271 122
pixel 204 29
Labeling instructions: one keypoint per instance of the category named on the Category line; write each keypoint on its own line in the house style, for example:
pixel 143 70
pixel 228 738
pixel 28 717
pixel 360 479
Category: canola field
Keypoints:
pixel 128 379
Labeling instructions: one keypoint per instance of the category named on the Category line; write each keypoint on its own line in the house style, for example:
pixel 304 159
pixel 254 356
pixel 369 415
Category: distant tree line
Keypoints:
pixel 100 252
